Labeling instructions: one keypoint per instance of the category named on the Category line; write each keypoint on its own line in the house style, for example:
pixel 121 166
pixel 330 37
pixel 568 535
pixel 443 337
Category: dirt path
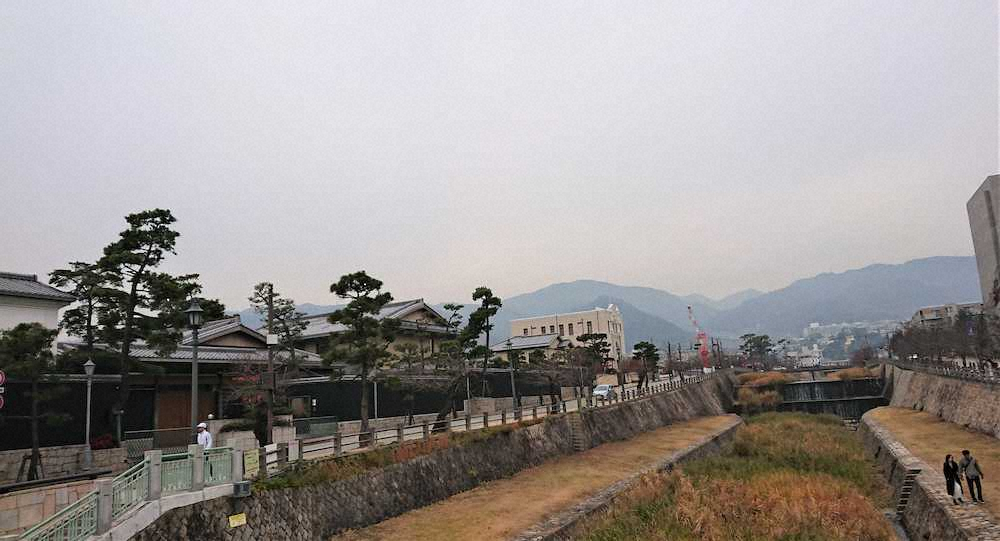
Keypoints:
pixel 930 438
pixel 504 508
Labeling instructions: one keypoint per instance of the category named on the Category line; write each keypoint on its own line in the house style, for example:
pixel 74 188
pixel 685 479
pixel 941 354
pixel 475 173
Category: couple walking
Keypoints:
pixel 953 472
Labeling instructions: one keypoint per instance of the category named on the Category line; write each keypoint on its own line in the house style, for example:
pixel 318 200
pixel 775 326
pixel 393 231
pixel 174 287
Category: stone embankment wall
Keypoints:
pixel 59 461
pixel 319 511
pixel 23 509
pixel 967 403
pixel 929 515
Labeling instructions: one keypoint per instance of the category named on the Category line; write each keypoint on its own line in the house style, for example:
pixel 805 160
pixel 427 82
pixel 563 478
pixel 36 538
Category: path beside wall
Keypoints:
pixel 968 403
pixel 929 515
pixel 319 511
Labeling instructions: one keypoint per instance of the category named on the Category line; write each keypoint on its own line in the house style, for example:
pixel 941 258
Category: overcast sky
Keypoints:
pixel 692 146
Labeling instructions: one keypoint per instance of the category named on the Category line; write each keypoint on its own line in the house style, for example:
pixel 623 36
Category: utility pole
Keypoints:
pixel 270 364
pixel 670 362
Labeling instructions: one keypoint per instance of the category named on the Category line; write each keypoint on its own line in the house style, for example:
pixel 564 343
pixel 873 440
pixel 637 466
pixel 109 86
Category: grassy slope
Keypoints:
pixel 787 477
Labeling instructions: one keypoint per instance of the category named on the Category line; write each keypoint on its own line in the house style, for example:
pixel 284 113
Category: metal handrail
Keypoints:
pixel 129 489
pixel 176 473
pixel 75 522
pixel 218 466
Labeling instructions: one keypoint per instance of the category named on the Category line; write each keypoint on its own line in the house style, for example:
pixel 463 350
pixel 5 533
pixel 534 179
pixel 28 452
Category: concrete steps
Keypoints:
pixel 576 431
pixel 906 491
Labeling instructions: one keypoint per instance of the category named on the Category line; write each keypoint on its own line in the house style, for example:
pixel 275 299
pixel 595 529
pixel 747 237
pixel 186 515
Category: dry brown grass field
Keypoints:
pixel 501 509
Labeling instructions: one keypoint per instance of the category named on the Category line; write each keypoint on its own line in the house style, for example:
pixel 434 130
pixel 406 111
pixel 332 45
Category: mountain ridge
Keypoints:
pixel 874 292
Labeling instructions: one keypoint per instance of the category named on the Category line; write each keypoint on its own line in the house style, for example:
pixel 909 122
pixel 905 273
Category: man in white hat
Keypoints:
pixel 204 436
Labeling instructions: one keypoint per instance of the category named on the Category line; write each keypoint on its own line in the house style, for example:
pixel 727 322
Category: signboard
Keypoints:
pixel 1 402
pixel 237 520
pixel 251 463
pixel 3 378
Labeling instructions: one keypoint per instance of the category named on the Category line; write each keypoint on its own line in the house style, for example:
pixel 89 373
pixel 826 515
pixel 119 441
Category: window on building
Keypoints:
pixel 590 328
pixel 526 331
pixel 552 329
pixel 571 329
pixel 562 329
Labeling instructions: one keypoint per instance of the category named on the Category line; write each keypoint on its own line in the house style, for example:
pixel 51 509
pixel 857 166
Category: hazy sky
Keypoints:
pixel 692 146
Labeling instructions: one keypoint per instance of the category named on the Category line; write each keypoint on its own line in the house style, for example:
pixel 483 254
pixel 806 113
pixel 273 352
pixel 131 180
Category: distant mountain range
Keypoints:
pixel 872 293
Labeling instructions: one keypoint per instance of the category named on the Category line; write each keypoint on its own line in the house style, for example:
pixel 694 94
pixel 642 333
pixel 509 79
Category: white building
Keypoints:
pixel 23 299
pixel 574 324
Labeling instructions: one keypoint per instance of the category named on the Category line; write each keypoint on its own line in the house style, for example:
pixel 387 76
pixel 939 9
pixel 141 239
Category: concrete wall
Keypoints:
pixel 967 403
pixel 983 208
pixel 23 509
pixel 319 511
pixel 58 461
pixel 929 515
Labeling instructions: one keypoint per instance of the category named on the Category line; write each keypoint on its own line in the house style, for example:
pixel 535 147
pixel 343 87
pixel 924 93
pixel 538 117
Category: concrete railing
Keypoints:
pixel 986 374
pixel 156 476
pixel 274 457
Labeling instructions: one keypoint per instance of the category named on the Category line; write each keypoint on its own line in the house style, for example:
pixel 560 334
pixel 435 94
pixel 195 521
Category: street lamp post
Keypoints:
pixel 194 316
pixel 88 456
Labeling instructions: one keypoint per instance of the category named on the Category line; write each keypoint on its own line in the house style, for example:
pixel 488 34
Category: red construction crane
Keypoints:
pixel 702 339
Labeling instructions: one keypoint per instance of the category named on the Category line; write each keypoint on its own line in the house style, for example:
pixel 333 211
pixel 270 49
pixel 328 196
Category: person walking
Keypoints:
pixel 205 441
pixel 953 480
pixel 204 436
pixel 973 474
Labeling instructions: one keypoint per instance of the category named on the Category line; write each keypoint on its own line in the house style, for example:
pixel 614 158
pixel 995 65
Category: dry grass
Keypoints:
pixel 930 439
pixel 788 476
pixel 501 509
pixel 854 373
pixel 764 379
pixel 754 401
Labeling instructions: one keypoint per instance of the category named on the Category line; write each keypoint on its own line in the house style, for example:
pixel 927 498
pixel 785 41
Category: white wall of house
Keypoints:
pixel 15 310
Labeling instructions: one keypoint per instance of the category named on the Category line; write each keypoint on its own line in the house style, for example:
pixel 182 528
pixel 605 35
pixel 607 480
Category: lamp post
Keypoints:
pixel 88 457
pixel 194 316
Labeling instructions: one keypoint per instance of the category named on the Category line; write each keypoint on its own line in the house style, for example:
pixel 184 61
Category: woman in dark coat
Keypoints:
pixel 952 481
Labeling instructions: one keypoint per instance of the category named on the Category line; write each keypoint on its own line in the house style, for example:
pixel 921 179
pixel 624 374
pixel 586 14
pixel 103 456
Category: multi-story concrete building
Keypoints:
pixel 575 324
pixel 983 208
pixel 937 316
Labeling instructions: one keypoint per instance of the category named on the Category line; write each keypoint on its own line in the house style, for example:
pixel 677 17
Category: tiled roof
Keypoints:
pixel 210 354
pixel 526 342
pixel 221 327
pixel 27 285
pixel 318 324
pixel 222 355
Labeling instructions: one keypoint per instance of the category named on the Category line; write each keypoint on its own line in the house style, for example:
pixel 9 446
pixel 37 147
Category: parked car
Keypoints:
pixel 605 392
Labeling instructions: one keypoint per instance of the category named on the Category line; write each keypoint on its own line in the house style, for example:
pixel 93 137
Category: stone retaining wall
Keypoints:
pixel 929 515
pixel 59 461
pixel 319 511
pixel 967 403
pixel 23 509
